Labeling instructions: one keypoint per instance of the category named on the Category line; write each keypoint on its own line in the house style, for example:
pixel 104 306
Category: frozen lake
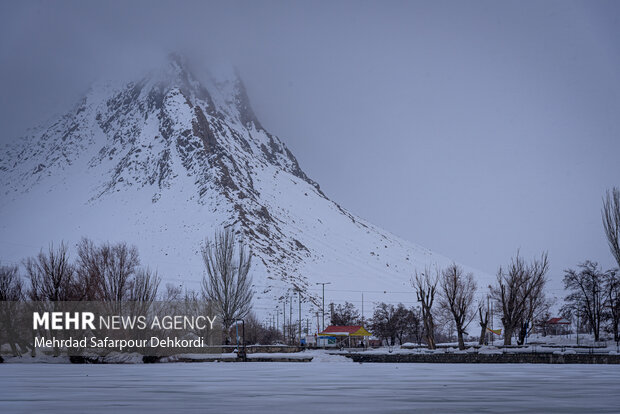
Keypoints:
pixel 308 387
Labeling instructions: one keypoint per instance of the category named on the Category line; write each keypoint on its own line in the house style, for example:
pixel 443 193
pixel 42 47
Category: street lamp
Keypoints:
pixel 241 352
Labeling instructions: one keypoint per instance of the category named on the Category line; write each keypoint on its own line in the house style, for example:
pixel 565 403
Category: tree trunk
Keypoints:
pixel 484 321
pixel 461 341
pixel 508 336
pixel 483 334
pixel 14 349
pixel 431 343
pixel 430 334
pixel 596 329
pixel 522 334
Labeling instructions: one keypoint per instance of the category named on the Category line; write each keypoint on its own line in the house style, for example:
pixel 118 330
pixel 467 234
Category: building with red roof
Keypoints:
pixel 353 335
pixel 558 321
pixel 558 326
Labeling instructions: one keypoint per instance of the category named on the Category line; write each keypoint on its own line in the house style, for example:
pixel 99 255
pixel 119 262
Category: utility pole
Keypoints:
pixel 486 342
pixel 492 334
pixel 318 325
pixel 290 321
pixel 362 308
pixel 577 327
pixel 284 321
pixel 299 299
pixel 419 327
pixel 323 307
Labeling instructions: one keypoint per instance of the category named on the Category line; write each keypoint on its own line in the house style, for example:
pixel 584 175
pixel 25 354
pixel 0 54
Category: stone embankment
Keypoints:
pixel 495 358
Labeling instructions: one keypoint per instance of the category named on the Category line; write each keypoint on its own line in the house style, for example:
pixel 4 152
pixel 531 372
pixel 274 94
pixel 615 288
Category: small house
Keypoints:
pixel 349 336
pixel 558 326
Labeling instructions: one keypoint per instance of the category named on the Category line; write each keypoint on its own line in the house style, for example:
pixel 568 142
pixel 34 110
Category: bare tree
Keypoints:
pixel 52 276
pixel 587 294
pixel 121 262
pixel 345 315
pixel 144 286
pixel 611 224
pixel 143 291
pixel 193 303
pixel 457 296
pixel 612 296
pixel 611 221
pixel 107 272
pixel 172 293
pixel 227 283
pixel 11 286
pixel 52 280
pixel 89 269
pixel 425 285
pixel 541 321
pixel 258 333
pixel 516 289
pixel 11 292
pixel 535 305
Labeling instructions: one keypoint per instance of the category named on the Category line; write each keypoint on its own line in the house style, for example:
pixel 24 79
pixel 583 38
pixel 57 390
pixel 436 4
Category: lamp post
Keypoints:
pixel 323 307
pixel 241 352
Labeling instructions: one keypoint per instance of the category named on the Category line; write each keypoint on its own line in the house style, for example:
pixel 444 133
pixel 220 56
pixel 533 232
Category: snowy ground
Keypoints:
pixel 336 386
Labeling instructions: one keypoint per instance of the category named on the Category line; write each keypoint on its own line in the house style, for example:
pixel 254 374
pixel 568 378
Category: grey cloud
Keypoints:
pixel 471 128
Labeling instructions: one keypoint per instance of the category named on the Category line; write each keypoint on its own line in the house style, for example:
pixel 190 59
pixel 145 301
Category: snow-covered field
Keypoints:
pixel 337 386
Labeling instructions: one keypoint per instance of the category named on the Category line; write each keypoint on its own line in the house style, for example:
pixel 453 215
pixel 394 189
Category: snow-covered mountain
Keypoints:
pixel 164 161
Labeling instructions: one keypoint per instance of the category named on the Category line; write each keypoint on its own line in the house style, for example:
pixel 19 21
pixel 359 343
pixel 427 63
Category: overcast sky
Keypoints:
pixel 471 128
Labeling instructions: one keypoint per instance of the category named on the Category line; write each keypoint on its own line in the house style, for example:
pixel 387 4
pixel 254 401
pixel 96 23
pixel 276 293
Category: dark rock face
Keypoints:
pixel 242 102
pixel 201 130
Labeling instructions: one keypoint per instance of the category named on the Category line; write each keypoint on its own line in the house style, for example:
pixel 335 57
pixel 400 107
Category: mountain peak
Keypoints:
pixel 163 161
